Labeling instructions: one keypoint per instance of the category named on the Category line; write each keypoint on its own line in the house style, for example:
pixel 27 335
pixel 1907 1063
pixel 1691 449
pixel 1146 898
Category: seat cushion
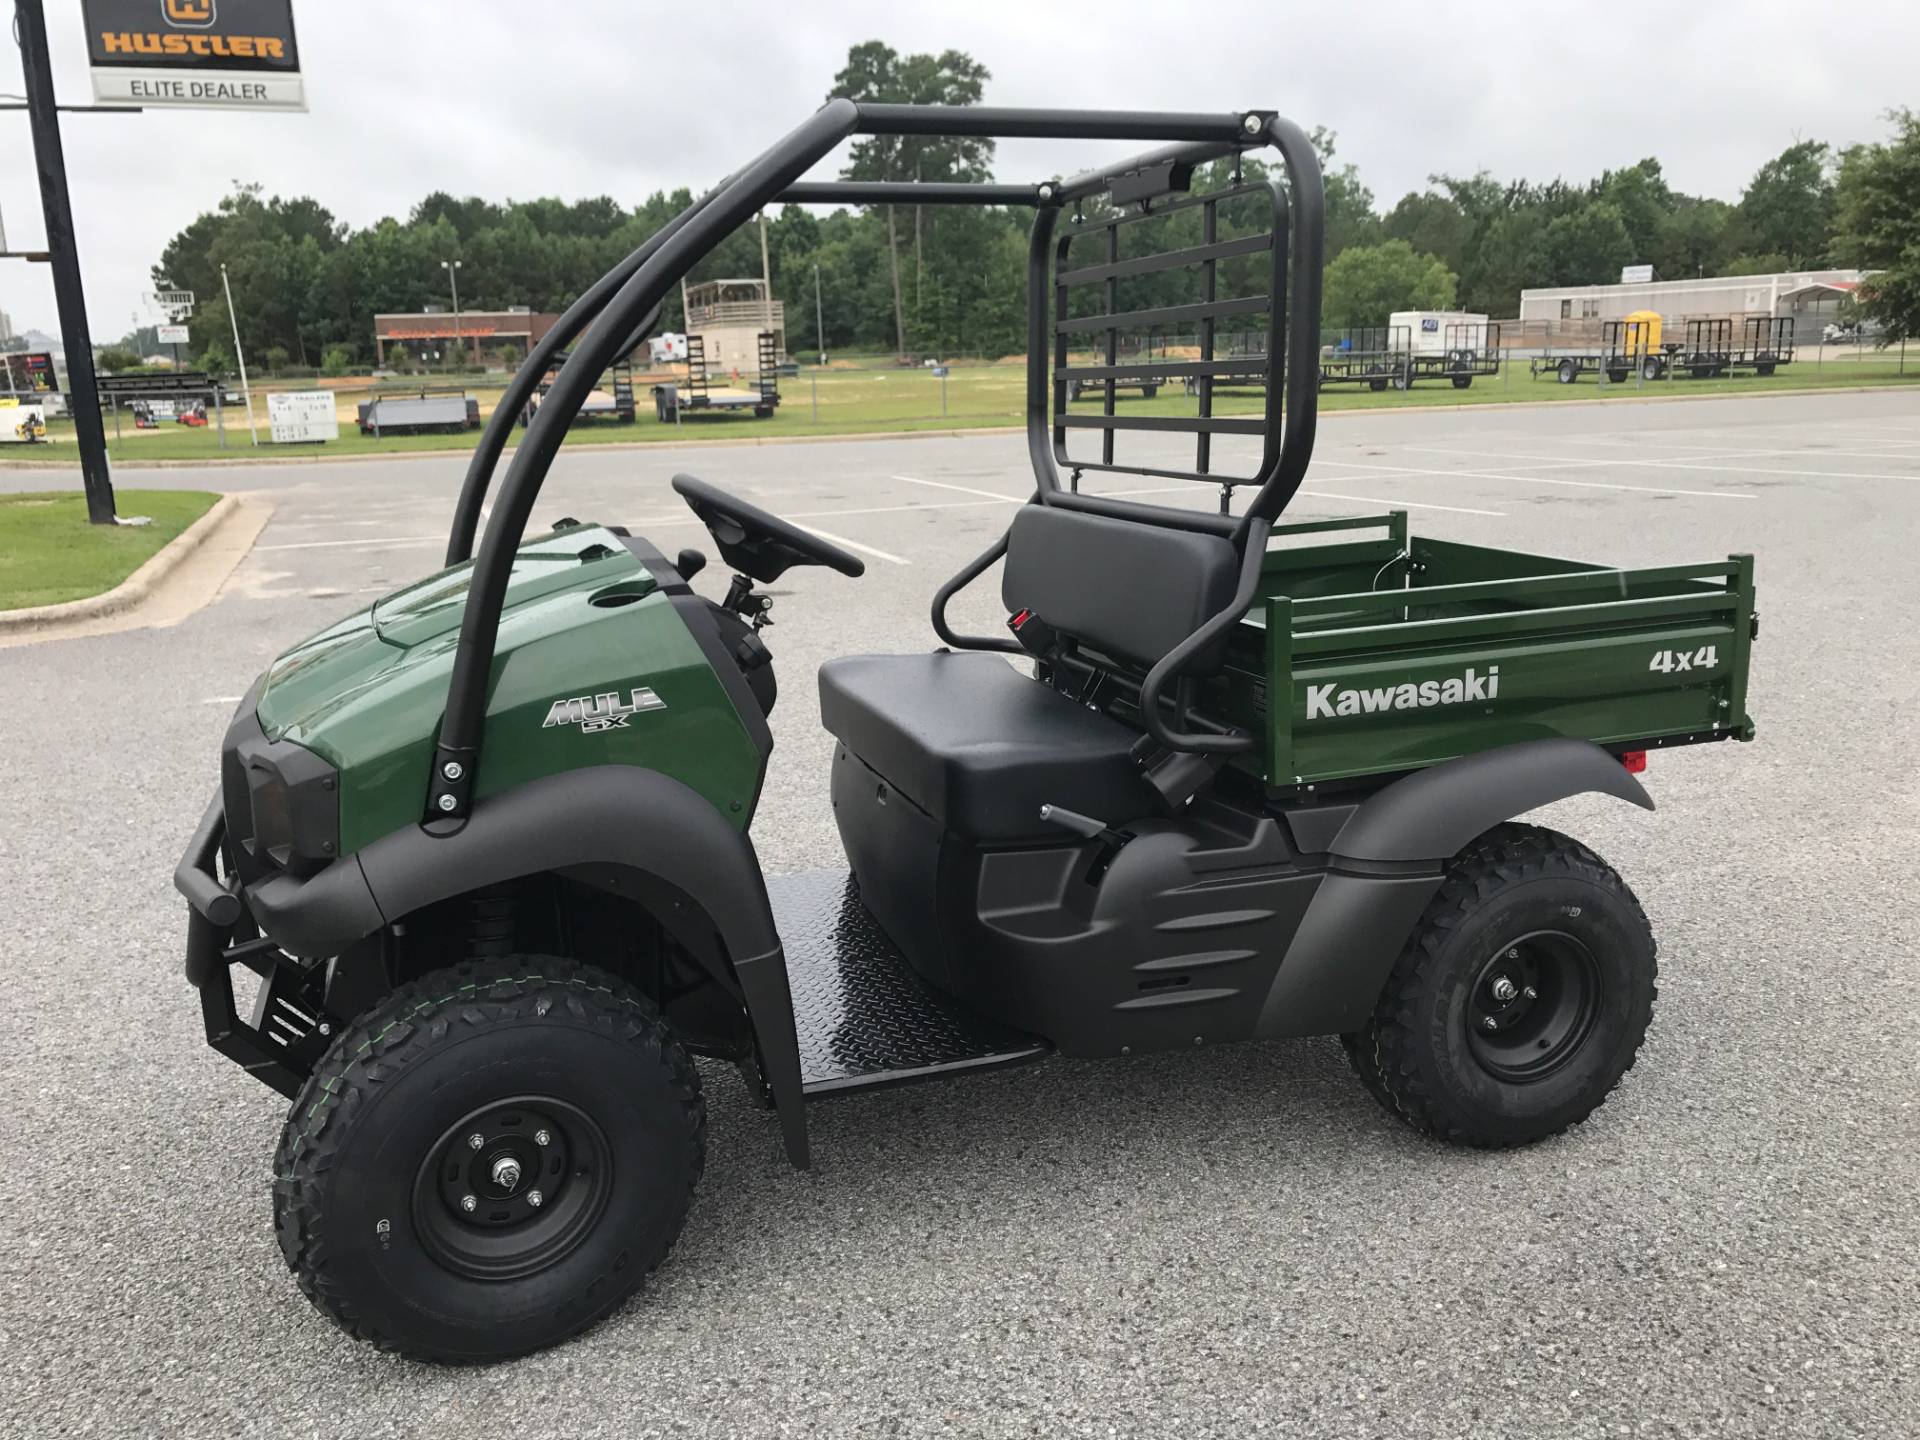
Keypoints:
pixel 980 746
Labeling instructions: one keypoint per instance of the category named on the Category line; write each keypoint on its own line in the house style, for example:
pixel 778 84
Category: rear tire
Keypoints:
pixel 1568 372
pixel 592 1132
pixel 1532 932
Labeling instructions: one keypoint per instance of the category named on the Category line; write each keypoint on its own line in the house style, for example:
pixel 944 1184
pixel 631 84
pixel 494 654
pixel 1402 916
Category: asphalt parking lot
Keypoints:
pixel 1230 1242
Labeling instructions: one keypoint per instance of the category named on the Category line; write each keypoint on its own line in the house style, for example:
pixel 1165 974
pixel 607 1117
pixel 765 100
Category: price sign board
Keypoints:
pixel 297 417
pixel 171 334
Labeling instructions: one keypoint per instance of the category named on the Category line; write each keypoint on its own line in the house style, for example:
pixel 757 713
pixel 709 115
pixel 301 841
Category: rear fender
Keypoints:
pixel 616 815
pixel 1386 859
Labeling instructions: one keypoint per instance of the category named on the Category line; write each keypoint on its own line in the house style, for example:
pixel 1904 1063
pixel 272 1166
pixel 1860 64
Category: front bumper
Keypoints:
pixel 287 1031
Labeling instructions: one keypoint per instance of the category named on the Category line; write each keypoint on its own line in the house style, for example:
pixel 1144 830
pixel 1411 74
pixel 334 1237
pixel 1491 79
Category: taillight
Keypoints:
pixel 1634 760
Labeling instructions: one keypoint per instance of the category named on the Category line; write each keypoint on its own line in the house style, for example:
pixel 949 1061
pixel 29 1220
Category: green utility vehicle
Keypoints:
pixel 486 843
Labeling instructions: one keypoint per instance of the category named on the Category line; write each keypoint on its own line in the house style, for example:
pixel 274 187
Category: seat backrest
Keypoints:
pixel 1127 589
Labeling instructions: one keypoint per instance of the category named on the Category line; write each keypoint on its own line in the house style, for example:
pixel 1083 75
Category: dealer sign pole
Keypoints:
pixel 31 24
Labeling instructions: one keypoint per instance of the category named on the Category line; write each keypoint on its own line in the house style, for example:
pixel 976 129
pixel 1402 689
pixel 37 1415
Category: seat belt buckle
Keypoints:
pixel 1036 637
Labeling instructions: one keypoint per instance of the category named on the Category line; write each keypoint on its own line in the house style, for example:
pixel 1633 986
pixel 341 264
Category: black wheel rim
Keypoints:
pixel 513 1188
pixel 1532 1006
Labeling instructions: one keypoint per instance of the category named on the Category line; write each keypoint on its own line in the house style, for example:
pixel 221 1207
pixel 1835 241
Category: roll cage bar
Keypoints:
pixel 612 309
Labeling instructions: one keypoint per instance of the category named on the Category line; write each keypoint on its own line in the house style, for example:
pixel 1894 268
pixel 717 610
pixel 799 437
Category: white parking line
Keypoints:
pixel 1194 487
pixel 1541 480
pixel 1402 504
pixel 358 544
pixel 1679 465
pixel 1808 452
pixel 961 489
pixel 855 545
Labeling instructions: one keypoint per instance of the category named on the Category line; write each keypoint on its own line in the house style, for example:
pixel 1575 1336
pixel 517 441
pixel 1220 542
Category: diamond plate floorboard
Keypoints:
pixel 863 1017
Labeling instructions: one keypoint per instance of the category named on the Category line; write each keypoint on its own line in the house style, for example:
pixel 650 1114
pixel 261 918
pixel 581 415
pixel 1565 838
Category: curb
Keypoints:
pixel 132 591
pixel 960 433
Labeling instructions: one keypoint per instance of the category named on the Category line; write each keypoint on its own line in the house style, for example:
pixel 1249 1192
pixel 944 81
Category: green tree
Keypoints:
pixel 114 360
pixel 1367 283
pixel 875 72
pixel 1350 217
pixel 1587 246
pixel 1771 264
pixel 1877 226
pixel 1434 224
pixel 338 360
pixel 1788 206
pixel 275 358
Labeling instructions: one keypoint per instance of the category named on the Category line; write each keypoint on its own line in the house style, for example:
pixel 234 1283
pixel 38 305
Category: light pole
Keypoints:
pixel 452 267
pixel 239 354
pixel 819 325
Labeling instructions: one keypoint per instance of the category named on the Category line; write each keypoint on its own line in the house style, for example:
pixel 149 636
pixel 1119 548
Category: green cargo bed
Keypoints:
pixel 1391 652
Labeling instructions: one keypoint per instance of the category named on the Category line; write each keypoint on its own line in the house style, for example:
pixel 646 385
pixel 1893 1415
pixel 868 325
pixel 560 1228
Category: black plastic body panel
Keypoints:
pixel 1434 814
pixel 1172 940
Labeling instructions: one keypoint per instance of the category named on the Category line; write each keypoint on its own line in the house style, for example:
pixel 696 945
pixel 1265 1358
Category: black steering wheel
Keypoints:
pixel 758 545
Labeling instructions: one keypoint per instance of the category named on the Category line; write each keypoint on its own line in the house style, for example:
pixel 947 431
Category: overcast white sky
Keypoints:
pixel 507 98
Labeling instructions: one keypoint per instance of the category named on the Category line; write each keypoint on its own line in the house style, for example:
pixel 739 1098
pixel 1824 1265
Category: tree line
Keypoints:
pixel 951 280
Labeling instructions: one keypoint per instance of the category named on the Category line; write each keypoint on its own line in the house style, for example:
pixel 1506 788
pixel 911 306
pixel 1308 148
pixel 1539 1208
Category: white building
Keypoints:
pixel 1811 297
pixel 6 326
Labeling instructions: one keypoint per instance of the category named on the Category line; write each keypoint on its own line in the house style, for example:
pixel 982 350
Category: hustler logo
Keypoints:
pixel 1326 701
pixel 606 711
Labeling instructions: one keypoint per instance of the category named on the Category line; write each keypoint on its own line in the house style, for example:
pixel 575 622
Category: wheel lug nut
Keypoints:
pixel 1531 993
pixel 1513 953
pixel 1490 1023
pixel 475 1141
pixel 535 1199
pixel 469 1203
pixel 541 1137
pixel 1502 988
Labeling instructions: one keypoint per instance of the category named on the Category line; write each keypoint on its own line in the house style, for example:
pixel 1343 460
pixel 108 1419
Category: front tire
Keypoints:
pixel 591 1132
pixel 1520 999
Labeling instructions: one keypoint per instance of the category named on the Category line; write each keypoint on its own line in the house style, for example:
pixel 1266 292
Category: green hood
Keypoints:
pixel 582 616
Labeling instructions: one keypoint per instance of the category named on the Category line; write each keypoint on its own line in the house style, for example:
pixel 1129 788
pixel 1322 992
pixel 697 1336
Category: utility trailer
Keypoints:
pixel 1627 347
pixel 615 403
pixel 1708 351
pixel 1125 367
pixel 425 410
pixel 1453 350
pixel 1766 343
pixel 699 395
pixel 1372 355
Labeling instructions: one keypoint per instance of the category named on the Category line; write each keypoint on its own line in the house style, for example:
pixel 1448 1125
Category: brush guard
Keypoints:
pixel 287 1031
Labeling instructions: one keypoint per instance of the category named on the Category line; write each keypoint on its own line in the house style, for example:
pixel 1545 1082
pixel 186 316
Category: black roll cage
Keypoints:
pixel 611 310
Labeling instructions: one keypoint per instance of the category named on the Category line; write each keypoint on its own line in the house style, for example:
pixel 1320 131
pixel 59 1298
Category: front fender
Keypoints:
pixel 1388 858
pixel 599 815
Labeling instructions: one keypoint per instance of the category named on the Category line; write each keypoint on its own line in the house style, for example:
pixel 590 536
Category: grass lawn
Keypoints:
pixel 49 554
pixel 844 401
